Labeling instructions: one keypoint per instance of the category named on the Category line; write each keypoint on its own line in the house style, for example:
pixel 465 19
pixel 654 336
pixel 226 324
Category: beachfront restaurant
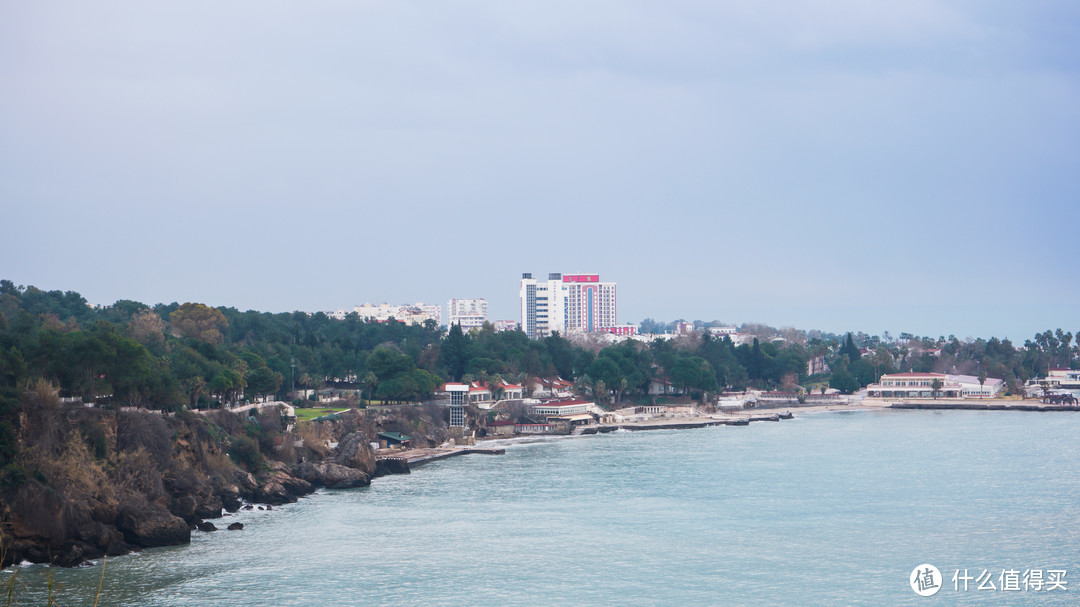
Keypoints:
pixel 921 385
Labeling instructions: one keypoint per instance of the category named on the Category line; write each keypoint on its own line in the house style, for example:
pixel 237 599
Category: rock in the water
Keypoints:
pixel 105 537
pixel 73 553
pixel 334 476
pixel 185 507
pixel 209 507
pixel 236 526
pixel 354 451
pixel 279 487
pixel 269 507
pixel 206 526
pixel 150 525
pixel 230 498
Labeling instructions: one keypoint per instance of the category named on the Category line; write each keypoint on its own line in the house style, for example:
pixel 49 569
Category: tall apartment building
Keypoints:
pixel 469 313
pixel 564 303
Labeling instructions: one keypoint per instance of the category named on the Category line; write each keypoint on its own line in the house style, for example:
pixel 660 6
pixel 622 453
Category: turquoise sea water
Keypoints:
pixel 831 509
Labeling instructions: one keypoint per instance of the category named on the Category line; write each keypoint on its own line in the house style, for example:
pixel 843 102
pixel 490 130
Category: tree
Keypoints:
pixel 454 352
pixel 694 373
pixel 935 387
pixel 844 381
pixel 604 371
pixel 850 350
pixel 262 381
pixel 147 328
pixel 199 322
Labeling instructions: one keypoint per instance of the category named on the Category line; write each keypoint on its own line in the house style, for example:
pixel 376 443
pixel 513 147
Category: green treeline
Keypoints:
pixel 168 356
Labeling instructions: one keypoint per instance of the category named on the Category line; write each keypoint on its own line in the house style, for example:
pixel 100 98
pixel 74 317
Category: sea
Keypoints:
pixel 833 508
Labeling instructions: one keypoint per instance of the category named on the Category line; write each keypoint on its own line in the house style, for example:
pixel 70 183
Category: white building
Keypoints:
pixel 410 314
pixel 543 306
pixel 469 313
pixel 921 385
pixel 574 302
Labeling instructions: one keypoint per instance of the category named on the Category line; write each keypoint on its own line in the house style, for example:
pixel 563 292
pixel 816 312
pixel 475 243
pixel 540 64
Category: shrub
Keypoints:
pixel 245 451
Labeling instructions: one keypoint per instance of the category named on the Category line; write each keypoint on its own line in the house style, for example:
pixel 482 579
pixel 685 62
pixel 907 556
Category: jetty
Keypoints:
pixel 415 457
pixel 685 424
pixel 983 406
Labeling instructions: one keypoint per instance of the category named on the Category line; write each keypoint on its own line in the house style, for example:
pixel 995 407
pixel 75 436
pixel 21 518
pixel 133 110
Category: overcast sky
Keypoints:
pixel 842 165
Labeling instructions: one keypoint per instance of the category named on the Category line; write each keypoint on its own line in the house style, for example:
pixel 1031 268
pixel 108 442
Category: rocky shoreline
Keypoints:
pixel 163 477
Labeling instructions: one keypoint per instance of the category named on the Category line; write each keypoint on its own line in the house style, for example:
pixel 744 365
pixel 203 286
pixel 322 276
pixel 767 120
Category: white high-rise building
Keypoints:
pixel 571 302
pixel 469 313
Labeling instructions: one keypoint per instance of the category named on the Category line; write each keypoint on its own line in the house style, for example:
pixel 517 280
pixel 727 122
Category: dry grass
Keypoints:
pixel 312 441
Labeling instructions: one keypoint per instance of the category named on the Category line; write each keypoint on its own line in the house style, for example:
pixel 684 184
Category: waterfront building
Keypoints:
pixel 535 428
pixel 468 313
pixel 394 439
pixel 571 302
pixel 1064 378
pixel 503 427
pixel 920 385
pixel 564 407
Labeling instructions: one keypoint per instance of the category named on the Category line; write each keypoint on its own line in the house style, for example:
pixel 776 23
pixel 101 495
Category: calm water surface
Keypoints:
pixel 833 508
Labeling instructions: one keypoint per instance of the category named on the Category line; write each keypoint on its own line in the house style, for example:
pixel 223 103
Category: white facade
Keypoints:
pixel 920 385
pixel 572 302
pixel 469 313
pixel 542 306
pixel 411 314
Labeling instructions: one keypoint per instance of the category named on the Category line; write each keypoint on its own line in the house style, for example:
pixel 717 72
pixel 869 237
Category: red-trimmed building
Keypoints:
pixel 921 385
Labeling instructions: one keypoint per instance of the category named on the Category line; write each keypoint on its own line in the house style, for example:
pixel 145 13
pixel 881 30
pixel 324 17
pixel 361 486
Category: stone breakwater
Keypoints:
pixel 686 424
pixel 980 406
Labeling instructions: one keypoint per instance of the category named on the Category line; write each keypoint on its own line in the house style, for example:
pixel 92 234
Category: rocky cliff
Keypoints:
pixel 88 482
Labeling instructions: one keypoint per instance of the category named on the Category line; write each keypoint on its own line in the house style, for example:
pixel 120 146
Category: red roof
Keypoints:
pixel 502 422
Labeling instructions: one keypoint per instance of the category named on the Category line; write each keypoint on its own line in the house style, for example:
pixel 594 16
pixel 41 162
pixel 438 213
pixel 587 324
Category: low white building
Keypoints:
pixel 410 314
pixel 921 385
pixel 565 407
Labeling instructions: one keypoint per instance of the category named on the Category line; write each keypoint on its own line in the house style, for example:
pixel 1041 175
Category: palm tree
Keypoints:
pixel 370 383
pixel 935 387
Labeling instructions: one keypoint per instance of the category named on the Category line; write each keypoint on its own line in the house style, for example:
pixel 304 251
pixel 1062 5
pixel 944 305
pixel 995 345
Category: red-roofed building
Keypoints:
pixel 503 427
pixel 564 407
pixel 921 385
pixel 541 387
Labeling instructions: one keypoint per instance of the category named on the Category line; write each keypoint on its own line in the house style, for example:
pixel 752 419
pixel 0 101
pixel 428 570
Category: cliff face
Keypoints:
pixel 88 482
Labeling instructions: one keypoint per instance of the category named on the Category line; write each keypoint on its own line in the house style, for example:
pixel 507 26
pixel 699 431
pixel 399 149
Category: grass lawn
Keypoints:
pixel 304 414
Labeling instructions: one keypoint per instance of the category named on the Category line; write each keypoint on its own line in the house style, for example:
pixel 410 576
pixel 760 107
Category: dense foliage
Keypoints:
pixel 170 355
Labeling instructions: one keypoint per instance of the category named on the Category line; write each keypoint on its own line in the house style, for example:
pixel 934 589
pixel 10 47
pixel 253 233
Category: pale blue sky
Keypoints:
pixel 838 165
